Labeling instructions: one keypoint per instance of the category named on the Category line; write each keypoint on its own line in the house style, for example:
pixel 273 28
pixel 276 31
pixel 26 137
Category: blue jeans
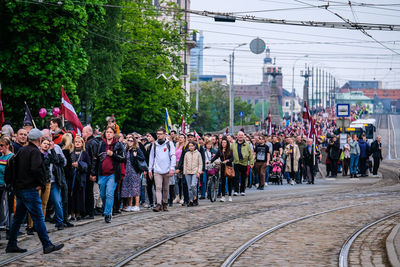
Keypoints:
pixel 267 174
pixel 28 200
pixel 353 164
pixel 55 196
pixel 203 184
pixel 107 186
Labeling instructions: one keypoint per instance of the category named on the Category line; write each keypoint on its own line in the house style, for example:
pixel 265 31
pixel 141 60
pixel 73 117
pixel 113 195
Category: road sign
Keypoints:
pixel 241 113
pixel 257 46
pixel 343 110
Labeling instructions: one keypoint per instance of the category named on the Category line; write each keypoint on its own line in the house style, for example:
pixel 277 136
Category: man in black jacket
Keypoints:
pixel 91 147
pixel 334 155
pixel 376 149
pixel 28 179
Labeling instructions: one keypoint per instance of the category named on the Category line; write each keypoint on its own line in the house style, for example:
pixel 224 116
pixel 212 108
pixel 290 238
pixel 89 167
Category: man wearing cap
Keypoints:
pixel 28 179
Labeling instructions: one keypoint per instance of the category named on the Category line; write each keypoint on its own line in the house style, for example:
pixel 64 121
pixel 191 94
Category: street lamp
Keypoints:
pixel 292 102
pixel 232 91
pixel 198 74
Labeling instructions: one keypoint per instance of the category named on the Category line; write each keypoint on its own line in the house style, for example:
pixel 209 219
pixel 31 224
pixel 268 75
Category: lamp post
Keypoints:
pixel 198 74
pixel 292 102
pixel 232 91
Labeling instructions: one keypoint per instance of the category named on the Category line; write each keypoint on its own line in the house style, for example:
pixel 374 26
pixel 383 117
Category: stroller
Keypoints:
pixel 277 173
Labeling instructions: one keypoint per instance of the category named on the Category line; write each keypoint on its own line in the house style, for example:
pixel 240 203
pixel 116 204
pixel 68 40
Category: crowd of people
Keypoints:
pixel 58 176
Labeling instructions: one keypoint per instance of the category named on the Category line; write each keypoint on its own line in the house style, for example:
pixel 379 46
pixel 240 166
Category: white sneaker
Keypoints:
pixel 176 200
pixel 230 199
pixel 222 199
pixel 130 208
pixel 235 193
pixel 181 202
pixel 135 208
pixel 145 205
pixel 243 194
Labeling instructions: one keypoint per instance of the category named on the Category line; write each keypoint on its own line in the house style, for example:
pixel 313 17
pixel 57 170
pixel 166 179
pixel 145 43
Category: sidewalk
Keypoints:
pixel 393 246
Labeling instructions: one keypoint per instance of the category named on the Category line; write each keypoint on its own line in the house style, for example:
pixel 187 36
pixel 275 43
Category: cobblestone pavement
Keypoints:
pixel 369 248
pixel 210 246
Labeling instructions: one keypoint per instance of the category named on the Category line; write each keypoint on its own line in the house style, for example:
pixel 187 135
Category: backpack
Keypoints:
pixel 11 171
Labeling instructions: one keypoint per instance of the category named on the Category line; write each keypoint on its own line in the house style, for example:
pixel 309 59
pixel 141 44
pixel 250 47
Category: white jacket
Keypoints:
pixel 165 159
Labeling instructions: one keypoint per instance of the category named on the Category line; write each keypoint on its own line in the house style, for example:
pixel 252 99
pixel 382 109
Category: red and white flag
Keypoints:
pixel 1 110
pixel 196 135
pixel 306 112
pixel 183 125
pixel 68 111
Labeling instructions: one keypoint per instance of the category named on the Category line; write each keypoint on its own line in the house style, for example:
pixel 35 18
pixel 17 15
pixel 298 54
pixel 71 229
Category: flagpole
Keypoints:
pixel 34 125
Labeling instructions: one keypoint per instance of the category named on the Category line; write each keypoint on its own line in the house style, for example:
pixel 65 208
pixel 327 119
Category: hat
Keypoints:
pixel 190 134
pixel 154 135
pixel 35 134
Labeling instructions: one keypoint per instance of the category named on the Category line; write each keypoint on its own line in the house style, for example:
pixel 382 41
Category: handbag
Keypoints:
pixel 229 171
pixel 140 165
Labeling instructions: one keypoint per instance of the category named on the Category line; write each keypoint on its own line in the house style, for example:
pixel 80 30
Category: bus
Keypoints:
pixel 368 127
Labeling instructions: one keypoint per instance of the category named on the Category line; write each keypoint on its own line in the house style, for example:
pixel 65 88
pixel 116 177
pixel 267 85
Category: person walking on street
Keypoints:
pixel 28 178
pixel 111 155
pixel 309 161
pixel 292 153
pixel 354 155
pixel 376 149
pixel 334 155
pixel 364 150
pixel 346 157
pixel 242 158
pixel 262 161
pixel 162 161
pixel 192 168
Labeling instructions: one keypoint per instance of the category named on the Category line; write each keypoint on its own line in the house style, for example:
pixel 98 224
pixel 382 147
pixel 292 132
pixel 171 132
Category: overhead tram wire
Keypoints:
pixel 356 25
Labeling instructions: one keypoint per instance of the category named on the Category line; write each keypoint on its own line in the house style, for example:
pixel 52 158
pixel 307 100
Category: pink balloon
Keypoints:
pixel 42 113
pixel 56 111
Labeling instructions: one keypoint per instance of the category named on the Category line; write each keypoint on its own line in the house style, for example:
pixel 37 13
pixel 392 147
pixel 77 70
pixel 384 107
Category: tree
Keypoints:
pixel 213 112
pixel 41 50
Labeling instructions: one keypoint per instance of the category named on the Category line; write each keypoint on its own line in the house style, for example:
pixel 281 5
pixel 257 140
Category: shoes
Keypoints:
pixel 88 217
pixel 195 202
pixel 126 209
pixel 15 249
pixel 190 204
pixel 260 188
pixel 176 200
pixel 158 208
pixel 351 175
pixel 181 201
pixel 29 231
pixel 235 193
pixel 52 248
pixel 243 194
pixel 135 208
pixel 184 204
pixel 169 204
pixel 165 207
pixel 291 182
pixel 68 224
pixel 230 199
pixel 107 218
pixel 222 199
pixel 117 212
pixel 60 227
pixel 97 212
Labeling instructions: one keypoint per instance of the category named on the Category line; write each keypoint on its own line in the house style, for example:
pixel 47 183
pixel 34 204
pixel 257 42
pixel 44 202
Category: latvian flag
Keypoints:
pixel 196 135
pixel 68 111
pixel 183 125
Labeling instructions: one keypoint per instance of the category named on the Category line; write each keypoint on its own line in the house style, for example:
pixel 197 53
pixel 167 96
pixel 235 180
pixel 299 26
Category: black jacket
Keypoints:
pixel 334 150
pixel 118 157
pixel 92 147
pixel 30 169
pixel 376 152
pixel 308 159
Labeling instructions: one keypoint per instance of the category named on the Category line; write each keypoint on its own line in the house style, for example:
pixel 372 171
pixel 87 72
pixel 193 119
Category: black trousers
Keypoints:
pixel 334 167
pixel 64 196
pixel 149 187
pixel 240 177
pixel 363 165
pixel 89 198
pixel 377 162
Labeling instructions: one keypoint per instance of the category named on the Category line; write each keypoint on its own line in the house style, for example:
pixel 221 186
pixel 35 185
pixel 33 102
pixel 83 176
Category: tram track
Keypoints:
pixel 345 250
pixel 333 196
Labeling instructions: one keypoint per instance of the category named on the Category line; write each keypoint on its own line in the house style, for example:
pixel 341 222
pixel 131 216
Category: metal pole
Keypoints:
pixel 323 89
pixel 230 91
pixel 233 92
pixel 263 99
pixel 197 83
pixel 312 88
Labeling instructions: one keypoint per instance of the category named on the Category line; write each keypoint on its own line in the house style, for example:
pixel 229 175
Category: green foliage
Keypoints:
pixel 214 108
pixel 41 50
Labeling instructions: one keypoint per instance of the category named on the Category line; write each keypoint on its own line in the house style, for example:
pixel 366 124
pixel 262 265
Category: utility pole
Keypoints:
pixel 198 81
pixel 232 117
pixel 312 88
pixel 323 89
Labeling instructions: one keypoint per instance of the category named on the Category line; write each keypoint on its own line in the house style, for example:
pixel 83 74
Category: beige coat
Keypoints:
pixel 296 157
pixel 192 163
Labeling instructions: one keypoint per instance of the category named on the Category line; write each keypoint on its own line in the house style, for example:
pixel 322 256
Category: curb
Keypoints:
pixel 391 247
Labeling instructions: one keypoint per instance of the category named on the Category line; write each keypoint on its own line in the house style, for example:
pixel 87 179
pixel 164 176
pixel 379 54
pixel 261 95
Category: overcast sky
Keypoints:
pixel 356 57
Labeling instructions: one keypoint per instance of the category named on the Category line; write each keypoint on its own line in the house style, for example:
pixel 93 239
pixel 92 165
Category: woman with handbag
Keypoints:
pixel 133 169
pixel 226 156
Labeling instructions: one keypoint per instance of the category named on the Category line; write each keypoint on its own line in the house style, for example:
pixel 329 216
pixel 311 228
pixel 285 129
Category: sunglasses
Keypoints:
pixel 2 145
